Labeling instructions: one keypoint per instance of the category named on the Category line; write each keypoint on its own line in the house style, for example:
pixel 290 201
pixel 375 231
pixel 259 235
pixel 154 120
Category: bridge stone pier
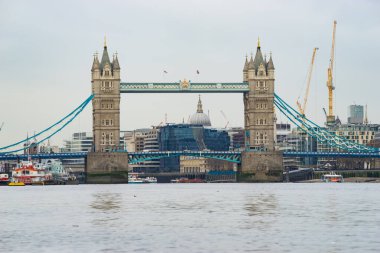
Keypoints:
pixel 106 168
pixel 260 162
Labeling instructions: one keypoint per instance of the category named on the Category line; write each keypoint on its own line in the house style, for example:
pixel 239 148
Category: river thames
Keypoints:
pixel 191 218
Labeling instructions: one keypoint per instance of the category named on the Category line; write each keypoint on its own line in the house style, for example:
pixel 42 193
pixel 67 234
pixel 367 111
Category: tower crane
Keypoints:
pixel 330 120
pixel 224 116
pixel 302 108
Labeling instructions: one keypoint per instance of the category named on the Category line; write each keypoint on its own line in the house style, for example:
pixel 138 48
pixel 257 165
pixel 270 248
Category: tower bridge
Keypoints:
pixel 258 162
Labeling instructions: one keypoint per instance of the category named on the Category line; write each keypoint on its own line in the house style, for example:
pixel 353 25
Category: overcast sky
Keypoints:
pixel 47 47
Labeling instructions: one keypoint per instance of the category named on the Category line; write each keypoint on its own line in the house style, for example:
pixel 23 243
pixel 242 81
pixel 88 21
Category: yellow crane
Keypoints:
pixel 302 108
pixel 330 120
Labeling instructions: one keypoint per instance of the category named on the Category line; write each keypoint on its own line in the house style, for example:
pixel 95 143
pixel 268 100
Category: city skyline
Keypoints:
pixel 48 70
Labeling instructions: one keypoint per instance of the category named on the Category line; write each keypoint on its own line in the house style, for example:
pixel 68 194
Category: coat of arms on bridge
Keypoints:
pixel 185 84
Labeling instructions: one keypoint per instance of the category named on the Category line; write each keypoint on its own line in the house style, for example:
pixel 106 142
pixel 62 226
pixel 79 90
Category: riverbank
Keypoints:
pixel 348 180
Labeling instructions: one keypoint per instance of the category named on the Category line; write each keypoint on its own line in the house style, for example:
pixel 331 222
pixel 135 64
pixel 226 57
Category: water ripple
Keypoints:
pixel 191 218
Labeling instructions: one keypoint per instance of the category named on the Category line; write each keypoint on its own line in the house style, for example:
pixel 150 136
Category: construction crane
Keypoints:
pixel 330 119
pixel 302 108
pixel 159 125
pixel 324 110
pixel 224 116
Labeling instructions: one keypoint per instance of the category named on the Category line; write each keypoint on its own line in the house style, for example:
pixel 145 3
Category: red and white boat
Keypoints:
pixel 28 173
pixel 4 179
pixel 332 177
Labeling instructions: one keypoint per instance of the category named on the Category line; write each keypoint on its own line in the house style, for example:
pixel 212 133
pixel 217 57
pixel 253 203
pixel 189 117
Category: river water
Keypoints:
pixel 191 218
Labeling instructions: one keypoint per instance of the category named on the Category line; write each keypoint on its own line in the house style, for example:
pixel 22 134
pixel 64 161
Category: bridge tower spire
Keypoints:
pixel 106 103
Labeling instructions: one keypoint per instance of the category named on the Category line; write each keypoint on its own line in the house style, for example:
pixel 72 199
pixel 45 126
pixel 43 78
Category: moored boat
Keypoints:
pixel 134 178
pixel 332 177
pixel 49 172
pixel 150 180
pixel 4 179
pixel 60 175
pixel 28 173
pixel 16 184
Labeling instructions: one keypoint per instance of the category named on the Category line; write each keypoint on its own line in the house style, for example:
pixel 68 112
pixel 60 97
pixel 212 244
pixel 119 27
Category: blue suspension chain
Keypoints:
pixel 337 140
pixel 77 111
pixel 305 129
pixel 47 129
pixel 321 131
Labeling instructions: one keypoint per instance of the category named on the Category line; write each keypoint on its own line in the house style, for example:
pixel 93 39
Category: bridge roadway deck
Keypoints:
pixel 184 87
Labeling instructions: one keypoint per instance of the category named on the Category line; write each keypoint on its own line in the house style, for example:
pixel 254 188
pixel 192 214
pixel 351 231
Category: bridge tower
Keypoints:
pixel 258 103
pixel 106 102
pixel 260 161
pixel 102 164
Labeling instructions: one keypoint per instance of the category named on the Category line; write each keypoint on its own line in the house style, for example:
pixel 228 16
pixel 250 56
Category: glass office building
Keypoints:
pixel 355 114
pixel 179 137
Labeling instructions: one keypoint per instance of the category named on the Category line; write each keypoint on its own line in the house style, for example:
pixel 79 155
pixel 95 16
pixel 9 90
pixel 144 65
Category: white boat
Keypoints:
pixel 133 178
pixel 150 180
pixel 332 177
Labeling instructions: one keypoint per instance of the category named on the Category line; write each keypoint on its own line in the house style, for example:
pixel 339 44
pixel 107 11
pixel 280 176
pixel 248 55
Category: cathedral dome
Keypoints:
pixel 200 118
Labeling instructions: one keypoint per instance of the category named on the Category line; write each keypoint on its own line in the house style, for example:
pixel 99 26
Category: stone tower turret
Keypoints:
pixel 245 70
pixel 106 102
